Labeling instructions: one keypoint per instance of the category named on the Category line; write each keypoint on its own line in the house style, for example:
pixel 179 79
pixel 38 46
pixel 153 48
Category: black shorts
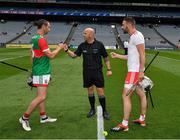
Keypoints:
pixel 93 77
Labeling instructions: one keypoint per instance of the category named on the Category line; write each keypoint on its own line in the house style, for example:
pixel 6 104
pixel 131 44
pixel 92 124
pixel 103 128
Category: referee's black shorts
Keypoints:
pixel 93 77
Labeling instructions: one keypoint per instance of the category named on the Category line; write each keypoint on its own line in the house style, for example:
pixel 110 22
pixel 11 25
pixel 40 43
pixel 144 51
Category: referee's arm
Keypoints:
pixel 70 53
pixel 107 62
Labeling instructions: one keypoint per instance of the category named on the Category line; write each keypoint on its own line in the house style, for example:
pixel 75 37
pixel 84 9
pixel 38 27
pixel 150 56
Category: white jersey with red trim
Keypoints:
pixel 133 61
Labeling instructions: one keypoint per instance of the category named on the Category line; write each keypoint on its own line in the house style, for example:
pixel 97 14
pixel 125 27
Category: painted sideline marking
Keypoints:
pixel 166 57
pixel 100 124
pixel 12 58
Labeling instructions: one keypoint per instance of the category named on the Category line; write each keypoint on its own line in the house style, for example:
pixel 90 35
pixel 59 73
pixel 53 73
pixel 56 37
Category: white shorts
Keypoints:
pixel 42 80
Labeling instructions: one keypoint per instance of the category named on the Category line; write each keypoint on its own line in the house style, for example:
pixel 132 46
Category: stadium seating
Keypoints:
pixel 104 33
pixel 171 32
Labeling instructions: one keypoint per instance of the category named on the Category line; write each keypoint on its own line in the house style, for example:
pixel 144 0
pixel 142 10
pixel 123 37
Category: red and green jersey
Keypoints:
pixel 41 63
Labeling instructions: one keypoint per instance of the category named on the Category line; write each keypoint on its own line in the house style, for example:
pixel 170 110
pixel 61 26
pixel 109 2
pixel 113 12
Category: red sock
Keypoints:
pixel 42 114
pixel 26 116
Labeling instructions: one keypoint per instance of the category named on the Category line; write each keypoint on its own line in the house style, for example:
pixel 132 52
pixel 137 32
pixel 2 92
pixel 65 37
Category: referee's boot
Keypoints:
pixel 106 115
pixel 91 113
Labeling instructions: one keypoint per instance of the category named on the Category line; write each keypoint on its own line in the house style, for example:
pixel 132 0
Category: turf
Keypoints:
pixel 67 100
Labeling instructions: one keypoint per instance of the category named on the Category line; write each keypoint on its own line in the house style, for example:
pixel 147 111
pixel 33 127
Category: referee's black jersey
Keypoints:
pixel 92 54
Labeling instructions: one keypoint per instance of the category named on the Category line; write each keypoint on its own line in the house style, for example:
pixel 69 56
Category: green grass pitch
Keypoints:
pixel 67 100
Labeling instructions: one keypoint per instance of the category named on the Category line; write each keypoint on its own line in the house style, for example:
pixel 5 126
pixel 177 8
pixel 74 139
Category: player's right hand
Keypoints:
pixel 62 46
pixel 65 48
pixel 140 76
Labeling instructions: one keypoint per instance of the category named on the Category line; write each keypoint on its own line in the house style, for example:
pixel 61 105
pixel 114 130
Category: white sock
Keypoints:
pixel 142 117
pixel 125 122
pixel 25 118
pixel 43 116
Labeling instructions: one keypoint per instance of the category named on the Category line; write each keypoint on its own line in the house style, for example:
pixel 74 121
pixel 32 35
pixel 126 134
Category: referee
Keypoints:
pixel 92 50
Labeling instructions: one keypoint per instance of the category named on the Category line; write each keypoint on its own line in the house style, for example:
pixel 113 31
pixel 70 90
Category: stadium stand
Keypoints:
pixel 171 32
pixel 156 20
pixel 12 30
pixel 59 31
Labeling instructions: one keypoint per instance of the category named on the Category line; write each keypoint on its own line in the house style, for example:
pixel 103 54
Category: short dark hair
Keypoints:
pixel 40 22
pixel 130 20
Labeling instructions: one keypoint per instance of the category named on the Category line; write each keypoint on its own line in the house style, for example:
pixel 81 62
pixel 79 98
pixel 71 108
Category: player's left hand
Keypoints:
pixel 109 73
pixel 141 76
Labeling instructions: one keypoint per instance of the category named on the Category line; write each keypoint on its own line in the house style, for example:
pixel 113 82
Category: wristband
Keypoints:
pixel 108 69
pixel 66 50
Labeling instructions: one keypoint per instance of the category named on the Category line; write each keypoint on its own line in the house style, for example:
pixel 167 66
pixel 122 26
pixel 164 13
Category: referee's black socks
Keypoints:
pixel 92 100
pixel 102 101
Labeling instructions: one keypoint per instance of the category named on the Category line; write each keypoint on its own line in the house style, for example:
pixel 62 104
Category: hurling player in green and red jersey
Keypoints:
pixel 41 70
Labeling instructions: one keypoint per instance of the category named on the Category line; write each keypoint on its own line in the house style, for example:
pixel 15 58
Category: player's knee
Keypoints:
pixel 42 98
pixel 141 95
pixel 90 89
pixel 124 97
pixel 125 91
pixel 140 92
pixel 101 94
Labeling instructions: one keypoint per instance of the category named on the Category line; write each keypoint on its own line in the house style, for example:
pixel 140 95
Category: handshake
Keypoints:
pixel 63 46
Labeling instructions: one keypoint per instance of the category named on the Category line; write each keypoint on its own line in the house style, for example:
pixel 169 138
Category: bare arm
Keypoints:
pixel 69 52
pixel 53 54
pixel 108 66
pixel 107 62
pixel 141 51
pixel 119 56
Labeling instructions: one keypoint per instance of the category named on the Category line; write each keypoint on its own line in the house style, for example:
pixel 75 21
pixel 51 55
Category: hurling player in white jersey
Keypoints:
pixel 135 62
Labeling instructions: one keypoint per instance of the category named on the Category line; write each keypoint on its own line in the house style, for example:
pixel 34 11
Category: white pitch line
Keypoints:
pixel 100 124
pixel 12 58
pixel 170 58
pixel 166 58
